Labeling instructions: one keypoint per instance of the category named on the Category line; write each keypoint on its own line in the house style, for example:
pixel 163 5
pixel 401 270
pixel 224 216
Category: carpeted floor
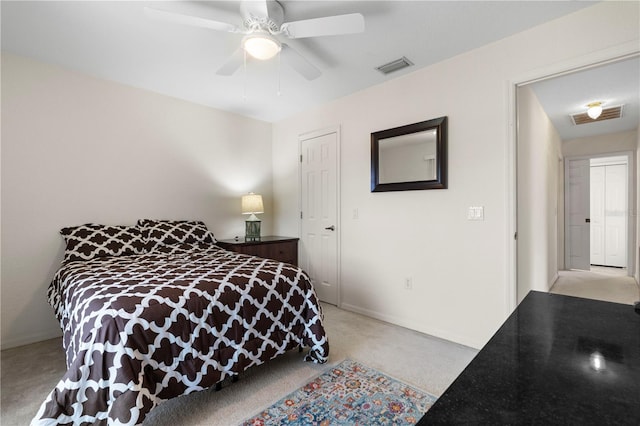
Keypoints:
pixel 607 284
pixel 30 372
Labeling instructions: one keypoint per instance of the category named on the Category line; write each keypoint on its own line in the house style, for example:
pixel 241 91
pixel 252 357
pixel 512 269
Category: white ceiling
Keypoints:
pixel 614 84
pixel 116 41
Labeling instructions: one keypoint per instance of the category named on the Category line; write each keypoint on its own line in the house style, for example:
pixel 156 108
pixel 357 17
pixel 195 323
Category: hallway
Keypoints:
pixel 601 283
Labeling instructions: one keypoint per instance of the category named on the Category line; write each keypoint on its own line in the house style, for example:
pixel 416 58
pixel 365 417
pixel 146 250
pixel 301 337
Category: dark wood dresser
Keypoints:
pixel 282 249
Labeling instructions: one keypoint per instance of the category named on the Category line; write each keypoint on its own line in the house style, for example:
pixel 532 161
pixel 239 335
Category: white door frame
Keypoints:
pixel 631 189
pixel 315 134
pixel 601 57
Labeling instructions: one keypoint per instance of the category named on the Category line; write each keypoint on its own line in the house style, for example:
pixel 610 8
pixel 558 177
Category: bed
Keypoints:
pixel 155 311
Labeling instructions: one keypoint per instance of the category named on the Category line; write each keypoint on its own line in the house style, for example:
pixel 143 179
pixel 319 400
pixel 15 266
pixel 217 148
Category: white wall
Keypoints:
pixel 459 268
pixel 539 151
pixel 76 149
pixel 601 144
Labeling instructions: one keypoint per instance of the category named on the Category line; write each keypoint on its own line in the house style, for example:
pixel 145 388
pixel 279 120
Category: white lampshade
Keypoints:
pixel 252 203
pixel 594 110
pixel 261 46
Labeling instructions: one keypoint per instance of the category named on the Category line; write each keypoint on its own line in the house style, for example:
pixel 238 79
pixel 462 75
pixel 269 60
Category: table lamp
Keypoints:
pixel 252 205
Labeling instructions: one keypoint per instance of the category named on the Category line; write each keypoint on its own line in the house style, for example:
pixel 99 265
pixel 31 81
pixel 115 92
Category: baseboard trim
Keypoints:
pixel 431 331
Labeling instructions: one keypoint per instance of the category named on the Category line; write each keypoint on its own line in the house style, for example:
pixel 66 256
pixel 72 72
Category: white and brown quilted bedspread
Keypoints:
pixel 141 329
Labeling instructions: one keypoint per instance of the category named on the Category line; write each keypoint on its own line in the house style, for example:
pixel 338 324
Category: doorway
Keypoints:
pixel 597 211
pixel 540 249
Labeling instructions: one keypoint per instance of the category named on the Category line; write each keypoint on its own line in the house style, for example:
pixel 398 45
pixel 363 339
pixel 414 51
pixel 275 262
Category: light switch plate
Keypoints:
pixel 475 213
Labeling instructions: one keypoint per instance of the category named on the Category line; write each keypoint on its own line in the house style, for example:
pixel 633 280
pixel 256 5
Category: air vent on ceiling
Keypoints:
pixel 607 114
pixel 396 65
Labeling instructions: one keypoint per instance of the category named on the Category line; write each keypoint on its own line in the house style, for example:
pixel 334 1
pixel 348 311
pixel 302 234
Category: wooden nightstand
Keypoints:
pixel 282 249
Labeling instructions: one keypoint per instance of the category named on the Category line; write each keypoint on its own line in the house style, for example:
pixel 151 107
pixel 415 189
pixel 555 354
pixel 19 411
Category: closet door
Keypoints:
pixel 615 215
pixel 596 200
pixel 577 211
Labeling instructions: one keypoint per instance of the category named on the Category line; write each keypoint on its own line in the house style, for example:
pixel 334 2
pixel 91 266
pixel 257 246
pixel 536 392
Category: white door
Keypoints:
pixel 319 212
pixel 597 197
pixel 615 241
pixel 609 215
pixel 577 213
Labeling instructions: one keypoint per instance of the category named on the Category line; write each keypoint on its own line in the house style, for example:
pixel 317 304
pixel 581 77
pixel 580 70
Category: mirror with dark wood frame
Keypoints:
pixel 410 157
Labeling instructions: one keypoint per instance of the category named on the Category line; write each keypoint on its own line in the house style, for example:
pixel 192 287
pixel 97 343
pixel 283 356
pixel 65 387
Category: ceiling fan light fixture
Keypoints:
pixel 261 46
pixel 594 109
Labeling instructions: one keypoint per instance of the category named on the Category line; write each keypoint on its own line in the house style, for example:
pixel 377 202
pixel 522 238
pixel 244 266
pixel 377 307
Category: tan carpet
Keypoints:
pixel 30 372
pixel 608 284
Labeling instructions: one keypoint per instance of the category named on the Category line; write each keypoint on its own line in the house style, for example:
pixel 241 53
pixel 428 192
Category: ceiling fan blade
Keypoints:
pixel 232 65
pixel 193 21
pixel 299 63
pixel 330 25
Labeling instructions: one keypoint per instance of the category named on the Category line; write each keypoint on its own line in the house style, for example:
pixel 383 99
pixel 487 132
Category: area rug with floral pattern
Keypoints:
pixel 348 394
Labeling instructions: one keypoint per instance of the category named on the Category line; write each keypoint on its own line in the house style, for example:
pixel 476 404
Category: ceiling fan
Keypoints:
pixel 263 25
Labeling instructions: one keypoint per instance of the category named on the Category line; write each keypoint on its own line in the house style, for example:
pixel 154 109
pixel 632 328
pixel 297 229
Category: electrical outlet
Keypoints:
pixel 408 283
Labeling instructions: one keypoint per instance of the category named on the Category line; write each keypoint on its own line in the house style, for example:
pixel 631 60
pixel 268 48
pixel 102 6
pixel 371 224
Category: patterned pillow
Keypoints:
pixel 86 242
pixel 171 232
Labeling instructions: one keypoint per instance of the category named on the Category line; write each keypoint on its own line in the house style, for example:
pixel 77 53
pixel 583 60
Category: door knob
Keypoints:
pixel 588 220
pixel 330 228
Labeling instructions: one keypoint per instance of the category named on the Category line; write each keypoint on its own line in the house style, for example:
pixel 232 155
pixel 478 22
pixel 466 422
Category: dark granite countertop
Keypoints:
pixel 557 360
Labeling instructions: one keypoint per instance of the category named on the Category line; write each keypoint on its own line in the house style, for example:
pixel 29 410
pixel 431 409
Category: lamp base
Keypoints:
pixel 252 230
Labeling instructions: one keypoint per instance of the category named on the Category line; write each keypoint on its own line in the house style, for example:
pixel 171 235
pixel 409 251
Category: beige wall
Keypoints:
pixel 460 269
pixel 602 144
pixel 539 174
pixel 77 149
